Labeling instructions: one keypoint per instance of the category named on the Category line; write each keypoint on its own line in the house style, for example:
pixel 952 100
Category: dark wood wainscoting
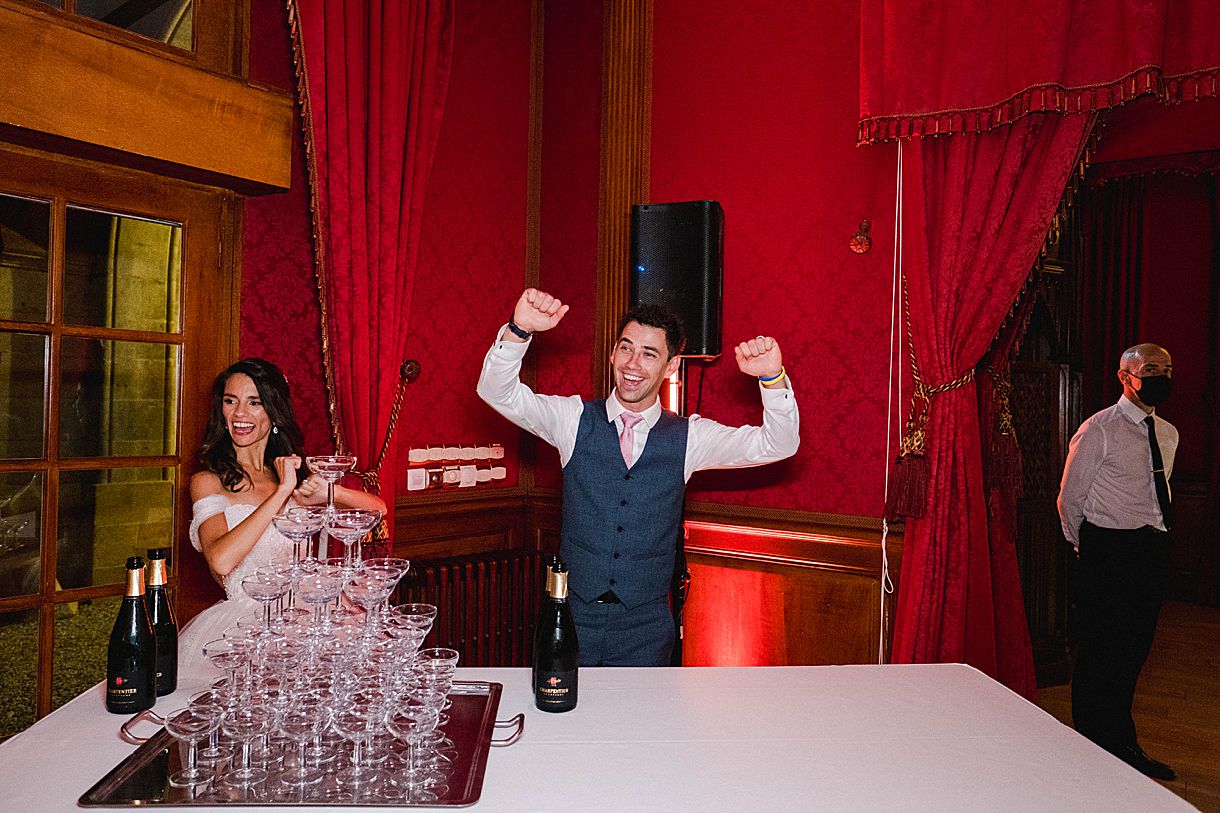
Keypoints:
pixel 457 523
pixel 770 587
pixel 773 588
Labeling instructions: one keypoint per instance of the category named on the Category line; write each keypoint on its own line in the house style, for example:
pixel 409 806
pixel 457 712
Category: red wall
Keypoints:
pixel 755 108
pixel 571 139
pixel 755 105
pixel 280 316
pixel 471 265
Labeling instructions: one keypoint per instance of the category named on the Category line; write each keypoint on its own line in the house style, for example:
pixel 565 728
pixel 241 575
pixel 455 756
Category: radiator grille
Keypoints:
pixel 487 604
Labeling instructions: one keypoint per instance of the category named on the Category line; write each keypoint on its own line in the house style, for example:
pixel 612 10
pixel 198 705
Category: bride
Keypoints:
pixel 253 469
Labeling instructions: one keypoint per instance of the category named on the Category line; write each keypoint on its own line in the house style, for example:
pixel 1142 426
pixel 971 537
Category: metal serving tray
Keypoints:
pixel 142 779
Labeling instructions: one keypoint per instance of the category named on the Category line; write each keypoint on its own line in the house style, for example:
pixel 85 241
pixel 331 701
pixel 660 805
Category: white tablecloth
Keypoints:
pixel 849 738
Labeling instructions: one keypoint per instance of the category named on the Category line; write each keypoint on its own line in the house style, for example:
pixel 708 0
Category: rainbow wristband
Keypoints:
pixel 775 379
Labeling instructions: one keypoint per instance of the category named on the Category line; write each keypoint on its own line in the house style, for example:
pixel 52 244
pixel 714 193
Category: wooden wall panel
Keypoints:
pixel 769 587
pixel 451 523
pixel 626 129
pixel 743 612
pixel 70 84
pixel 763 596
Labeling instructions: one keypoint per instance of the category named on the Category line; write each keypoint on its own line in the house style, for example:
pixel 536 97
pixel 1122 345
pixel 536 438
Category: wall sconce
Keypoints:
pixel 860 242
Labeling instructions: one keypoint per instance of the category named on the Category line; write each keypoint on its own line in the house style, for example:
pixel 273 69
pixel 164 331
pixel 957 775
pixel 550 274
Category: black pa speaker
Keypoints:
pixel 677 260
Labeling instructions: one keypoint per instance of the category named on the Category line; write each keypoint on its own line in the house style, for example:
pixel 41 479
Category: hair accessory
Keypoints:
pixel 518 332
pixel 775 378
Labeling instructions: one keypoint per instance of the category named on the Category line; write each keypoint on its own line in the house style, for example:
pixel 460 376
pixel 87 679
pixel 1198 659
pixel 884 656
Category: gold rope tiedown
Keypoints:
pixel 914 436
pixel 908 495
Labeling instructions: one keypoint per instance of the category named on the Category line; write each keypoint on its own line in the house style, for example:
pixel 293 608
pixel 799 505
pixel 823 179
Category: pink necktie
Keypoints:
pixel 626 439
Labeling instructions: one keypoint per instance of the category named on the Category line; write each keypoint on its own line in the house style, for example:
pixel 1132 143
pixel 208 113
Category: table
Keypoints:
pixel 939 737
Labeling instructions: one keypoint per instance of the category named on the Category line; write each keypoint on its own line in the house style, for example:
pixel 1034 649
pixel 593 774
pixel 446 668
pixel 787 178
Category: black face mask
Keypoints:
pixel 1154 389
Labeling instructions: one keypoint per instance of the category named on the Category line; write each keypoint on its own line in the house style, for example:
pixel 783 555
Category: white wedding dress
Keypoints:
pixel 212 622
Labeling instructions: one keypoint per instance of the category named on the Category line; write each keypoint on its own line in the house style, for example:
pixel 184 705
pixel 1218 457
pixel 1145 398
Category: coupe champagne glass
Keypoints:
pixel 265 588
pixel 319 589
pixel 243 725
pixel 230 655
pixel 300 524
pixel 301 725
pixel 190 726
pixel 417 616
pixel 210 702
pixel 331 468
pixel 358 722
pixel 275 571
pixel 395 562
pixel 368 588
pixel 412 722
pixel 350 526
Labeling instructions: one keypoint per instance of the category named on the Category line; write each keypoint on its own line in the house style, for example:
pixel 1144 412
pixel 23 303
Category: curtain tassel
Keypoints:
pixel 908 495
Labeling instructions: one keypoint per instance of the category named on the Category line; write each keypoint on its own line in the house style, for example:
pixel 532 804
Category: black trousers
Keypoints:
pixel 1121 586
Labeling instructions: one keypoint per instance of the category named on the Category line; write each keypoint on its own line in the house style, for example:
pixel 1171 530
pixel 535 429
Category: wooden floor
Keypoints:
pixel 1177 702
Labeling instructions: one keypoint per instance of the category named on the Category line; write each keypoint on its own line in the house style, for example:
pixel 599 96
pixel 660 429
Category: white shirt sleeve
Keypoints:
pixel 554 418
pixel 712 445
pixel 1085 454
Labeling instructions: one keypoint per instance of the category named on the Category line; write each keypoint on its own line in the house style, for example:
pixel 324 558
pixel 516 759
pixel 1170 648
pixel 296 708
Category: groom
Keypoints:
pixel 626 462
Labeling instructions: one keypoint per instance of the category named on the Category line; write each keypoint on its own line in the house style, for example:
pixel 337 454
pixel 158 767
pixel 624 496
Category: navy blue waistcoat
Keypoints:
pixel 620 527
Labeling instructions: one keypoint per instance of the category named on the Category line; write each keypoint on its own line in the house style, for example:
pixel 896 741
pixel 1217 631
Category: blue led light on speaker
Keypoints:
pixel 640 269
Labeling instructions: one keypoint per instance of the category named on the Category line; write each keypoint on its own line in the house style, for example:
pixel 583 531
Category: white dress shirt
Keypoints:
pixel 1108 475
pixel 709 445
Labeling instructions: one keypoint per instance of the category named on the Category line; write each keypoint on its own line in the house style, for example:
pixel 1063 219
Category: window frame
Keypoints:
pixel 207 339
pixel 219 33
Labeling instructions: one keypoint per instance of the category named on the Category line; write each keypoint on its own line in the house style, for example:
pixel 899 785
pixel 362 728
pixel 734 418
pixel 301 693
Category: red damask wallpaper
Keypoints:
pixel 471 263
pixel 756 108
pixel 745 110
pixel 280 315
pixel 571 128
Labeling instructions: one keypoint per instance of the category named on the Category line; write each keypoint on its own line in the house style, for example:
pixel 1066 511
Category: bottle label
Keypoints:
pixel 126 696
pixel 555 688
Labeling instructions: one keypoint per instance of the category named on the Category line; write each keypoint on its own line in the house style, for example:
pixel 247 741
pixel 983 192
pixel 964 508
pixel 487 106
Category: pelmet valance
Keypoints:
pixel 930 67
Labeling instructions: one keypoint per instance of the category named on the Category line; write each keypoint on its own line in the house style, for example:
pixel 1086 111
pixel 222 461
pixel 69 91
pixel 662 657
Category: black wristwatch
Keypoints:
pixel 518 332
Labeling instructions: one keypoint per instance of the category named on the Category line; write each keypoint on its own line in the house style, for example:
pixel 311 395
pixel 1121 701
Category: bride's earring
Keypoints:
pixel 275 430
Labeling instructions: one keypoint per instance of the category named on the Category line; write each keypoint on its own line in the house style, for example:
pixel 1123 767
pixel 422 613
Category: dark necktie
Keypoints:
pixel 1158 473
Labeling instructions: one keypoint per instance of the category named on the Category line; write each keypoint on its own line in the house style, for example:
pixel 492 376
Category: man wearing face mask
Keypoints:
pixel 1115 507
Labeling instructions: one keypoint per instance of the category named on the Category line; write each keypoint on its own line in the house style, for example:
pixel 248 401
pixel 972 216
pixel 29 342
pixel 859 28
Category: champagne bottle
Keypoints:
pixel 164 625
pixel 556 653
pixel 552 562
pixel 131 658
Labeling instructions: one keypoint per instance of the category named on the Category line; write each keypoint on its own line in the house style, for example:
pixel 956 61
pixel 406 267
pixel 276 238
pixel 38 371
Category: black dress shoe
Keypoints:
pixel 1134 756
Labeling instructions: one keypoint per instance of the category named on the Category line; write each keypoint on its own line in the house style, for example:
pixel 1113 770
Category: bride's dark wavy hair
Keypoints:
pixel 216 451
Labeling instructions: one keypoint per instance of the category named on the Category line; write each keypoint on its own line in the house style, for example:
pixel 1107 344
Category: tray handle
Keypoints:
pixel 134 739
pixel 517 722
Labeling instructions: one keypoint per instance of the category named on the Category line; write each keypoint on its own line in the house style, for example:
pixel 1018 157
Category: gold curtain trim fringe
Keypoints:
pixel 1048 98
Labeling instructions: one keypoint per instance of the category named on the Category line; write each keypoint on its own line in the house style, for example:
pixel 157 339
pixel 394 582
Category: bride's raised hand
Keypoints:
pixel 286 470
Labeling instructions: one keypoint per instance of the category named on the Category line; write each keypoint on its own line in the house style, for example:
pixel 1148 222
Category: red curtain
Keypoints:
pixel 978 209
pixel 1002 487
pixel 373 79
pixel 930 68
